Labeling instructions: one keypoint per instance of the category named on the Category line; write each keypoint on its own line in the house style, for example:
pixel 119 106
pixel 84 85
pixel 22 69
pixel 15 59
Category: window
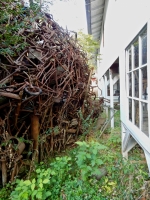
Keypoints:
pixel 116 89
pixel 137 82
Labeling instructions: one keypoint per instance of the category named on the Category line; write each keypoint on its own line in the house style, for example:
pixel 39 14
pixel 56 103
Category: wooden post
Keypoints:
pixel 4 170
pixel 35 131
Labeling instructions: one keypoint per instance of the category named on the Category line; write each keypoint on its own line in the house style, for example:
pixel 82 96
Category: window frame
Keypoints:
pixel 140 73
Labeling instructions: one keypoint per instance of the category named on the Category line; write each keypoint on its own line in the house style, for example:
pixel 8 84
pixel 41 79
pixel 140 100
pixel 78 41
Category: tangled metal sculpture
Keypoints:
pixel 42 88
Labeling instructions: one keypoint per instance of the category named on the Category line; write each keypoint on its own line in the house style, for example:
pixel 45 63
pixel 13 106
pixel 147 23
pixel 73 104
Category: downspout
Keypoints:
pixel 88 15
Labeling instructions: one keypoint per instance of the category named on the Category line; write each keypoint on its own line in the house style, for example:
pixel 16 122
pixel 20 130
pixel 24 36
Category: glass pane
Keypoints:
pixel 116 88
pixel 136 112
pixel 136 54
pixel 130 84
pixel 144 83
pixel 130 60
pixel 130 109
pixel 145 118
pixel 144 48
pixel 108 90
pixel 136 83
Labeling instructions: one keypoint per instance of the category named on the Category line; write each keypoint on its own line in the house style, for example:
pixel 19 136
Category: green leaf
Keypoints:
pixel 89 168
pixel 40 180
pixel 99 162
pixel 38 171
pixel 46 181
pixel 96 172
pixel 24 195
pixel 79 143
pixel 39 195
pixel 18 188
pixel 94 151
pixel 93 163
pixel 100 147
pixel 27 182
pixel 53 172
pixel 33 181
pixel 32 186
pixel 47 194
pixel 88 155
pixel 34 193
pixel 41 185
pixel 14 196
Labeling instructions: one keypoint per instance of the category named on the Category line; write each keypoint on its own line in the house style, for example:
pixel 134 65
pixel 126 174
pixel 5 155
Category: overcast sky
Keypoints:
pixel 70 14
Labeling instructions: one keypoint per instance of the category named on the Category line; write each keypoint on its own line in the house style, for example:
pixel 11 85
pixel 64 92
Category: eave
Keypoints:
pixel 94 14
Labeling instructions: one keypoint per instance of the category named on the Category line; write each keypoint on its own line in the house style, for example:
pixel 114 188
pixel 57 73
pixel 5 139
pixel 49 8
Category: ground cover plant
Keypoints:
pixel 77 174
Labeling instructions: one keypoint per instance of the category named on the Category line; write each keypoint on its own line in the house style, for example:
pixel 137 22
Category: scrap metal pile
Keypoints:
pixel 42 90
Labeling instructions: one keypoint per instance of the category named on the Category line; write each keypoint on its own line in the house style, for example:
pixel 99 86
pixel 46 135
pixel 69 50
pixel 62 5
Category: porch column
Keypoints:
pixel 106 96
pixel 105 86
pixel 111 98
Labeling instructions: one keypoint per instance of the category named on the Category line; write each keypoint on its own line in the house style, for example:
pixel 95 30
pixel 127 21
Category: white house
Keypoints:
pixel 123 28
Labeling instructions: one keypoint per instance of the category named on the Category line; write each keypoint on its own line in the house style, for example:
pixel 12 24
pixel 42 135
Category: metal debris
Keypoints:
pixel 42 89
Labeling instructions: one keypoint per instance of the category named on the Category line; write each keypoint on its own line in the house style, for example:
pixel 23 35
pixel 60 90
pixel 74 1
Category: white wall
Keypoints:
pixel 122 22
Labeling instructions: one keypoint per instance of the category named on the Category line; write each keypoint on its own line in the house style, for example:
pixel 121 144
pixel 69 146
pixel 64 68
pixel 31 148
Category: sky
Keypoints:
pixel 70 14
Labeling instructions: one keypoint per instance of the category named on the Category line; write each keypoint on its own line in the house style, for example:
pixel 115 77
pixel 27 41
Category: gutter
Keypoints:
pixel 88 15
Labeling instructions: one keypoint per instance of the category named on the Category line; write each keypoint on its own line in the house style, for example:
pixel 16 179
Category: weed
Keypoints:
pixel 70 176
pixel 88 158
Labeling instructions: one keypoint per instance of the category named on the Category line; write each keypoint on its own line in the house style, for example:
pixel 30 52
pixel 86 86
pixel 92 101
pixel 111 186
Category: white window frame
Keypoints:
pixel 139 99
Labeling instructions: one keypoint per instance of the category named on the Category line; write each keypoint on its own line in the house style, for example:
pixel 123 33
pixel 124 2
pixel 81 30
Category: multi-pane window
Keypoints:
pixel 137 82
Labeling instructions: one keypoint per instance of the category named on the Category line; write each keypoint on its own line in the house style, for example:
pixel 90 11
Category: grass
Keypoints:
pixel 131 175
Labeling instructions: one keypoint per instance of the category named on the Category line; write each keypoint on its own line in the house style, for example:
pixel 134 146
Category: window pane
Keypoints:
pixel 136 112
pixel 145 118
pixel 136 83
pixel 144 48
pixel 144 83
pixel 130 109
pixel 108 90
pixel 116 89
pixel 136 54
pixel 130 60
pixel 130 84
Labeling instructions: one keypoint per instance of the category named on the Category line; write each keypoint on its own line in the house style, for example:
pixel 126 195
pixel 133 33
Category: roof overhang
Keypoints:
pixel 94 14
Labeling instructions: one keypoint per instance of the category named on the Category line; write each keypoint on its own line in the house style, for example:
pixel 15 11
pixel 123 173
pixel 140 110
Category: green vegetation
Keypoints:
pixel 14 18
pixel 77 175
pixel 90 46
